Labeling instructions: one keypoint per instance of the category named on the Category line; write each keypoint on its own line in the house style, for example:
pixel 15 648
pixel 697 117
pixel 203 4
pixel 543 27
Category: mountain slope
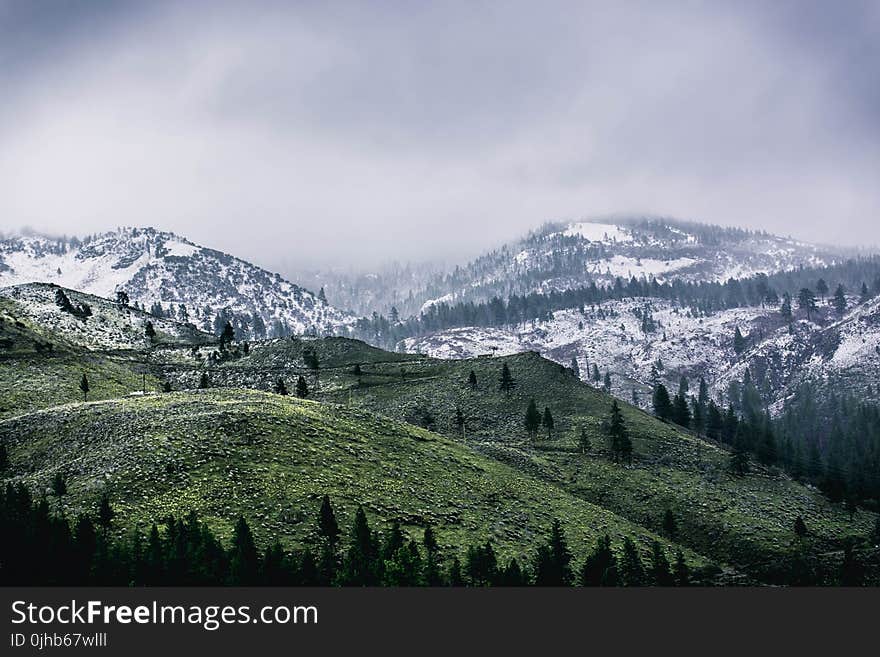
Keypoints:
pixel 223 453
pixel 192 283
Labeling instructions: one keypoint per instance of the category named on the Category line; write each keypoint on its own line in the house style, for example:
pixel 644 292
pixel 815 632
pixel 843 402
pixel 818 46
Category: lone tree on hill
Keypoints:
pixel 472 380
pixel 575 369
pixel 507 381
pixel 122 298
pixel 621 445
pixel 547 422
pixel 310 358
pixel 533 419
pixel 280 388
pixel 84 386
pixel 204 381
pixel 800 527
pixel 358 372
pixel 150 331
pixel 302 388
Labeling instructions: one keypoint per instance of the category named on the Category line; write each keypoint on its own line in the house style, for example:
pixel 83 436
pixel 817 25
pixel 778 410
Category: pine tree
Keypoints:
pixel 302 388
pixel 4 457
pixel 227 335
pixel 533 418
pixel 280 387
pixel 150 331
pixel 621 444
pixel 327 525
pixel 807 301
pixel 455 578
pixel 661 571
pixel 681 412
pixel 84 387
pixel 105 512
pixel 596 376
pixel 359 373
pixel 584 443
pixel 670 527
pixel 360 567
pixel 739 342
pixel 800 527
pixel 600 567
pixel 547 422
pixel 59 485
pixel 632 572
pixel 681 572
pixel 204 381
pixel 822 288
pixel 575 369
pixel 607 382
pixel 864 294
pixel 714 421
pixel 785 308
pixel 840 300
pixel 553 560
pixel 507 381
pixel 310 358
pixel 472 380
pixel 243 558
pixel 739 458
pixel 662 403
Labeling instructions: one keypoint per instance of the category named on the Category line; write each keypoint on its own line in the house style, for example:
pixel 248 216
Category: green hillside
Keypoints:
pixel 225 453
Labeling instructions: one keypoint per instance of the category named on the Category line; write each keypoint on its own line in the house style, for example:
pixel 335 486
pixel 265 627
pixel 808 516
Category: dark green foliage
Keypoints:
pixel 739 342
pixel 532 419
pixel 681 412
pixel 670 526
pixel 584 443
pixel 600 567
pixel 800 527
pixel 59 485
pixel 662 403
pixel 552 566
pixel 547 422
pixel 105 512
pixel 84 386
pixel 227 335
pixel 4 457
pixel 204 381
pixel 302 388
pixel 621 443
pixel 243 559
pixel 661 571
pixel 680 570
pixel 280 387
pixel 807 301
pixel 840 300
pixel 150 332
pixel 632 571
pixel 472 380
pixel 327 525
pixel 506 381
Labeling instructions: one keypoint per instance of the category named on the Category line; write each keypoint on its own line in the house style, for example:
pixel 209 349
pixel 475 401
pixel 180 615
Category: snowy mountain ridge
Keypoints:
pixel 191 283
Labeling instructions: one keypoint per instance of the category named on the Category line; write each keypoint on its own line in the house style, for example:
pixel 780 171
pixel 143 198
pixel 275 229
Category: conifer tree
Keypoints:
pixel 459 421
pixel 840 300
pixel 662 403
pixel 532 419
pixel 807 301
pixel 507 381
pixel 785 308
pixel 84 386
pixel 150 331
pixel 600 567
pixel 280 387
pixel 739 342
pixel 227 335
pixel 607 382
pixel 105 512
pixel 822 288
pixel 670 527
pixel 632 571
pixel 59 485
pixel 472 380
pixel 4 457
pixel 575 369
pixel 584 443
pixel 553 560
pixel 681 572
pixel 547 422
pixel 596 376
pixel 800 527
pixel 360 566
pixel 621 444
pixel 243 558
pixel 661 571
pixel 302 388
pixel 327 525
pixel 455 578
pixel 204 381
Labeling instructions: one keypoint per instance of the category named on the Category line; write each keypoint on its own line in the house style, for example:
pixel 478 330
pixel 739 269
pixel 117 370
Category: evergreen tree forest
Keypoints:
pixel 42 547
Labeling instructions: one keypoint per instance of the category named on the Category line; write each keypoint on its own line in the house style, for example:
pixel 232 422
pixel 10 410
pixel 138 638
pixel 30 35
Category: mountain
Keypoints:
pixel 561 256
pixel 171 276
pixel 379 429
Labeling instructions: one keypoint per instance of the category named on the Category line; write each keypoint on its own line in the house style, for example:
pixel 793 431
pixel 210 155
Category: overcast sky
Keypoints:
pixel 346 134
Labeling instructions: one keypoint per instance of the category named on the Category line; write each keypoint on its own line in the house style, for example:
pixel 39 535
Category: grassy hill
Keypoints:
pixel 383 434
pixel 224 453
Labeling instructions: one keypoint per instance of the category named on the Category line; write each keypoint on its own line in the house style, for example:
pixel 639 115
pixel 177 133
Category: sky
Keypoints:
pixel 333 134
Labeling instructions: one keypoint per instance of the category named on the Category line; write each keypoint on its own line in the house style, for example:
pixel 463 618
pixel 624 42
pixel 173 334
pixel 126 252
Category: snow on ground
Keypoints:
pixel 596 232
pixel 627 267
pixel 446 298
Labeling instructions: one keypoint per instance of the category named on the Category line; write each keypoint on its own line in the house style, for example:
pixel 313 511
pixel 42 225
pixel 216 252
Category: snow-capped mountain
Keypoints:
pixel 827 350
pixel 564 256
pixel 191 283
